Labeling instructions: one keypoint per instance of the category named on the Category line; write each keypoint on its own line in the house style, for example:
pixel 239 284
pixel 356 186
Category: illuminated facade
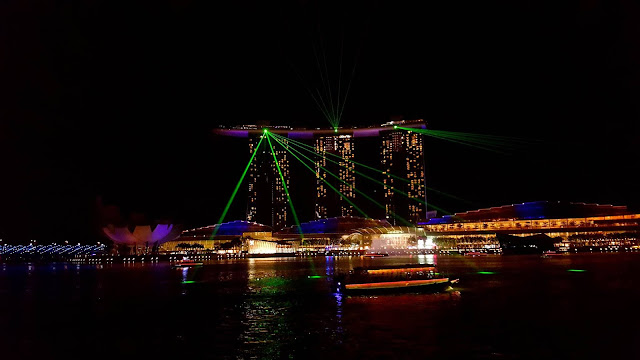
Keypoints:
pixel 328 202
pixel 403 156
pixel 267 199
pixel 573 226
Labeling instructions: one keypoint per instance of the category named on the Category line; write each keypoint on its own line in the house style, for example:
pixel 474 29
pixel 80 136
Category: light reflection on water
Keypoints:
pixel 266 331
pixel 503 307
pixel 427 259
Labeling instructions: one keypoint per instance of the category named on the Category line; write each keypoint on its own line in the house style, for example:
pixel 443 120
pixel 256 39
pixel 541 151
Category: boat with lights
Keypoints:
pixel 552 254
pixel 475 253
pixel 186 263
pixel 393 279
pixel 377 254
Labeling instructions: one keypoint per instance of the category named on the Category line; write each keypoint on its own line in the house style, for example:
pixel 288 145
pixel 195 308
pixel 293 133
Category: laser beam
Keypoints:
pixel 235 191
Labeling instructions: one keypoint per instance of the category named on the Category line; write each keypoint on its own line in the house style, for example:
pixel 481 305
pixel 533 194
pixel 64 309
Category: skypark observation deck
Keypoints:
pixel 245 131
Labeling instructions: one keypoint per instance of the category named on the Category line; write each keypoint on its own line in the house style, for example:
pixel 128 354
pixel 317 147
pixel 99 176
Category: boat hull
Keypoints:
pixel 392 287
pixel 187 265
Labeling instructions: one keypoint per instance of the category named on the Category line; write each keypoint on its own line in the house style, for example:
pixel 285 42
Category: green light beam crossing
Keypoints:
pixel 325 181
pixel 324 77
pixel 313 150
pixel 385 186
pixel 485 142
pixel 448 138
pixel 284 184
pixel 356 190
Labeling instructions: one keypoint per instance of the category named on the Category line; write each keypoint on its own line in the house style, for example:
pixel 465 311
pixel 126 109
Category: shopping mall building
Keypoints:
pixel 566 226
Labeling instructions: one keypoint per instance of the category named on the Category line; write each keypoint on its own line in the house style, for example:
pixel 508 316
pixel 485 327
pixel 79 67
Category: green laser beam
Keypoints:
pixel 308 88
pixel 487 142
pixel 284 185
pixel 325 181
pixel 312 149
pixel 429 133
pixel 339 79
pixel 235 191
pixel 356 190
pixel 487 136
pixel 470 141
pixel 448 195
pixel 331 106
pixel 322 107
pixel 346 94
pixel 329 115
pixel 323 82
pixel 326 71
pixel 385 186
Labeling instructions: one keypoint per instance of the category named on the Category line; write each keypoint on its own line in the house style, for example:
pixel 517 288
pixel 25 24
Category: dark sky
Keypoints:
pixel 117 99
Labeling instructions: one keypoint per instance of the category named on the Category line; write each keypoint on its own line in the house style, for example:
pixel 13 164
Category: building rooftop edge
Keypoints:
pixel 246 130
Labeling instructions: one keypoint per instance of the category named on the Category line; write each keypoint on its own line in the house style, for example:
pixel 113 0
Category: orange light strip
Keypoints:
pixel 394 284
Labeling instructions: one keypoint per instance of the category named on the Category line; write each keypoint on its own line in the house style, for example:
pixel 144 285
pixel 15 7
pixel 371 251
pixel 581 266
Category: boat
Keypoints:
pixel 392 279
pixel 475 253
pixel 551 254
pixel 186 263
pixel 375 255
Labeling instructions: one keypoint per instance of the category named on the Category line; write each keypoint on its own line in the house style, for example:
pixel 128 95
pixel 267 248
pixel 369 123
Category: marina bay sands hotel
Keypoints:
pixel 399 171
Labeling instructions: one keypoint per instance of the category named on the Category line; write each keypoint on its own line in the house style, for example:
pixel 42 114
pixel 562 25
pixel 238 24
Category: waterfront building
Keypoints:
pixel 338 233
pixel 336 156
pixel 572 226
pixel 135 235
pixel 569 226
pixel 143 238
pixel 403 156
pixel 219 236
pixel 267 199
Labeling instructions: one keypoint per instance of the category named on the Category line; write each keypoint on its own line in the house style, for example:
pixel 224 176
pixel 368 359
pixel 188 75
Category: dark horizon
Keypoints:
pixel 118 101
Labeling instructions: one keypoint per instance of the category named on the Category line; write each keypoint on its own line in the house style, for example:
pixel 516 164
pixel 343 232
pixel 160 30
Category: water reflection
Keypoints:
pixel 185 272
pixel 427 259
pixel 275 308
pixel 339 333
pixel 267 320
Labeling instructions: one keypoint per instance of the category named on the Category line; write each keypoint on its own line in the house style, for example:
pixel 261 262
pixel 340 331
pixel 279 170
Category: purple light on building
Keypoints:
pixel 366 132
pixel 300 135
pixel 232 132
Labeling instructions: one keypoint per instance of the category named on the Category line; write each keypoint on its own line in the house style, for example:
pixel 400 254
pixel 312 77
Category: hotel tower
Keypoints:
pixel 336 154
pixel 403 156
pixel 267 201
pixel 401 159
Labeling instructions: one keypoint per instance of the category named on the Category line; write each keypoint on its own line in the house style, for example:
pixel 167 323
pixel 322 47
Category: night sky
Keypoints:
pixel 116 100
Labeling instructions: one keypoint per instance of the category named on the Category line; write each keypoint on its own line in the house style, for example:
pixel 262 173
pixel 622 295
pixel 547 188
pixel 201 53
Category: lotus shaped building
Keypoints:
pixel 142 236
pixel 136 232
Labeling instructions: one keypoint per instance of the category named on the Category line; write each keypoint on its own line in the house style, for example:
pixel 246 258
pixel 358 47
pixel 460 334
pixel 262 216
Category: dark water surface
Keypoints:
pixel 505 307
